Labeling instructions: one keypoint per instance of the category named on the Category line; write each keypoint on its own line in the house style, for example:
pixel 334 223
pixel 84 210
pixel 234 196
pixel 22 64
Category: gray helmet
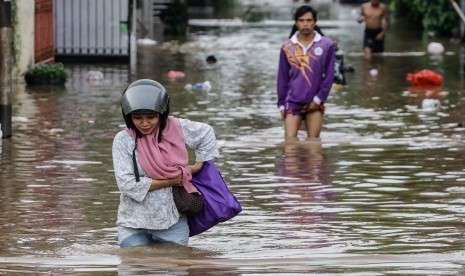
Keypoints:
pixel 145 95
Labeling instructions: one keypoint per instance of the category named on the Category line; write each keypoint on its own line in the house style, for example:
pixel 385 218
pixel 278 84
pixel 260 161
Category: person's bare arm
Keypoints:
pixel 177 181
pixel 163 183
pixel 361 17
pixel 387 20
pixel 196 167
pixel 387 24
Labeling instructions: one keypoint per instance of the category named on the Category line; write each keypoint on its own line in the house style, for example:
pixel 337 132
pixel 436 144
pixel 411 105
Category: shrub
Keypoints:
pixel 46 73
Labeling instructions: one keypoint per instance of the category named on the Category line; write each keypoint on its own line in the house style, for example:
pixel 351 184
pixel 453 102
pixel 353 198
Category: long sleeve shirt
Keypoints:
pixel 139 207
pixel 305 74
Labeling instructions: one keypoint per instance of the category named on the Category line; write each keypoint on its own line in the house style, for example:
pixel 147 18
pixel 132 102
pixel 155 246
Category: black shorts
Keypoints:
pixel 369 40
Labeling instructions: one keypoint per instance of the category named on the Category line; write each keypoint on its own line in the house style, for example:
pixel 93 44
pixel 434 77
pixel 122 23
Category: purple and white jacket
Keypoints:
pixel 305 74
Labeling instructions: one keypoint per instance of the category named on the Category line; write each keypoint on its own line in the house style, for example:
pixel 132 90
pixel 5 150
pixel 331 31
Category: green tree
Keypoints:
pixel 432 15
pixel 175 18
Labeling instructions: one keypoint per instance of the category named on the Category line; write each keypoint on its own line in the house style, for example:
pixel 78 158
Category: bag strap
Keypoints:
pixel 134 162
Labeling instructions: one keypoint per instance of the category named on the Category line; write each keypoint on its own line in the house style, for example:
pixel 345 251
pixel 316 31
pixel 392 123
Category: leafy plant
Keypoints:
pixel 433 16
pixel 46 73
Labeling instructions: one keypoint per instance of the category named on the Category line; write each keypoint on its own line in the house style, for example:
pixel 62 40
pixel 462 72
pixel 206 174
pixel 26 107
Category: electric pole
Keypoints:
pixel 5 68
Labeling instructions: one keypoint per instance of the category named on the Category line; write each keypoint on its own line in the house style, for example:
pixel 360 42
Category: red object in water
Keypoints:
pixel 425 78
pixel 176 74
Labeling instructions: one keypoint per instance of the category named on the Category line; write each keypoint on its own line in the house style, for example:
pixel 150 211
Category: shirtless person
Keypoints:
pixel 373 12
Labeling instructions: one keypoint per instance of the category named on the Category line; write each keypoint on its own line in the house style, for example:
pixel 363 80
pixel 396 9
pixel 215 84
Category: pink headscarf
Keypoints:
pixel 167 159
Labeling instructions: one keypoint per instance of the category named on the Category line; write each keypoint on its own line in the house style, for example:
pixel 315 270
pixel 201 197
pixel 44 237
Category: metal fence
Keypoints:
pixel 91 29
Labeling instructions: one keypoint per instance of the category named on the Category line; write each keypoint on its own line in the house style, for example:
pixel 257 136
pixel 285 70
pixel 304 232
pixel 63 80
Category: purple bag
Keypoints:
pixel 219 203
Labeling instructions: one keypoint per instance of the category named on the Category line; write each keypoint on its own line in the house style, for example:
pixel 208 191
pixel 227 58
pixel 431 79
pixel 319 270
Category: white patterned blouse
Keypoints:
pixel 140 208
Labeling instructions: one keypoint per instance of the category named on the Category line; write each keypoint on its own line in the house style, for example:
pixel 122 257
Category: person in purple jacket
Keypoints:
pixel 305 75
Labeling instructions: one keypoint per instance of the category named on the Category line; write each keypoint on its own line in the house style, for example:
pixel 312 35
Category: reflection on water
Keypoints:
pixel 306 186
pixel 305 194
pixel 381 194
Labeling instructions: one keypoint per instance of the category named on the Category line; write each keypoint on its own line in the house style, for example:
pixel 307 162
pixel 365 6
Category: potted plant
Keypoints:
pixel 46 73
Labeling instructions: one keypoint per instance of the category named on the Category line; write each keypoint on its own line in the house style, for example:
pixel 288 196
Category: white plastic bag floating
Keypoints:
pixel 95 77
pixel 200 86
pixel 146 41
pixel 430 105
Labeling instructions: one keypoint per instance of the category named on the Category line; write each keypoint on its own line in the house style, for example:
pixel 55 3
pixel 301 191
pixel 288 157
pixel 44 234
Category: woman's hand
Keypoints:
pixel 177 181
pixel 196 167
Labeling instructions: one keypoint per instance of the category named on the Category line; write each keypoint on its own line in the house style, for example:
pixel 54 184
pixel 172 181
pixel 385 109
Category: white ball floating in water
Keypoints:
pixel 435 48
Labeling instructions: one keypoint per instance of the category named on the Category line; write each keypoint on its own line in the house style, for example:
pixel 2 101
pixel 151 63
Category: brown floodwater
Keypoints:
pixel 382 194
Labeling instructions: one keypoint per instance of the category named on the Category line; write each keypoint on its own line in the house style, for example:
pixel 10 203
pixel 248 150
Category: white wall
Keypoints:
pixel 25 30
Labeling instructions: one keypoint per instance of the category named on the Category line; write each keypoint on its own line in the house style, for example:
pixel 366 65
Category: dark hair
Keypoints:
pixel 163 120
pixel 301 11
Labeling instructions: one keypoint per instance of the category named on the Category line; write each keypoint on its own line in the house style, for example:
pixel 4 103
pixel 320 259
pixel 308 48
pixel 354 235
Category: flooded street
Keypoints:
pixel 383 194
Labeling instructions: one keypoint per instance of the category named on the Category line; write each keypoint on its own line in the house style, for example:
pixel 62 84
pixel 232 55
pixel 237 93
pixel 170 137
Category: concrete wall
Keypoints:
pixel 25 32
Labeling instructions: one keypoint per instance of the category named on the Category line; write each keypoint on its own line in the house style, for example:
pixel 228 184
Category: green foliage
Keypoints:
pixel 175 18
pixel 433 16
pixel 254 14
pixel 46 73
